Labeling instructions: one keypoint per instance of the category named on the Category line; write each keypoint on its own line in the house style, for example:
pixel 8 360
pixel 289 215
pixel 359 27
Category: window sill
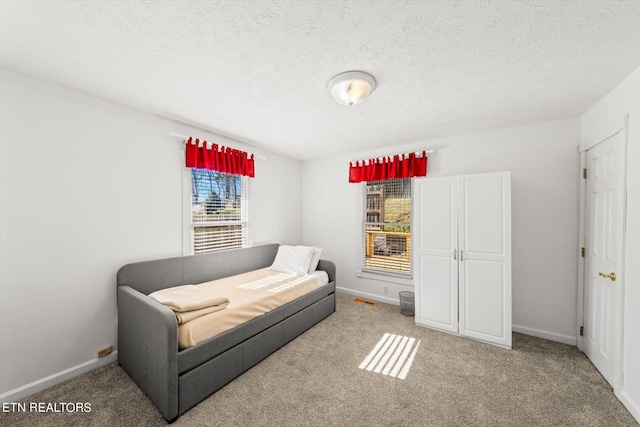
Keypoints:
pixel 367 274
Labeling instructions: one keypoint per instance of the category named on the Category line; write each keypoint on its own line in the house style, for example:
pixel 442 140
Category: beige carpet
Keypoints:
pixel 315 381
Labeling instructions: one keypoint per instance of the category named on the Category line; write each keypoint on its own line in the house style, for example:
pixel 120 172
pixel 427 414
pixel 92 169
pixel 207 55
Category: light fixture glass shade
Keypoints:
pixel 352 87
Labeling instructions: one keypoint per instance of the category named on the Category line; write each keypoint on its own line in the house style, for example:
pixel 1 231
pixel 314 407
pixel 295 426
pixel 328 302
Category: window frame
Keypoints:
pixel 188 225
pixel 364 271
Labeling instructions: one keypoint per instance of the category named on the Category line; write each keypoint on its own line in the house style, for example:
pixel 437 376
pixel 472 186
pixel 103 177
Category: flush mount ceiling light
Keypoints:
pixel 352 87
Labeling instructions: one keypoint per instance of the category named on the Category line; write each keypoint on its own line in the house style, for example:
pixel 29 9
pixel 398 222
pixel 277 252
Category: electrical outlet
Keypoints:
pixel 104 351
pixel 386 290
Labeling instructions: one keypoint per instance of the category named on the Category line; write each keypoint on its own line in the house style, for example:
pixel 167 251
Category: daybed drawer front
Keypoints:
pixel 298 323
pixel 209 377
pixel 324 308
pixel 202 381
pixel 262 345
pixel 305 319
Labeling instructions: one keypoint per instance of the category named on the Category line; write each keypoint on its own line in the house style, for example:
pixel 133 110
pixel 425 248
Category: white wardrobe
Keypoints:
pixel 462 255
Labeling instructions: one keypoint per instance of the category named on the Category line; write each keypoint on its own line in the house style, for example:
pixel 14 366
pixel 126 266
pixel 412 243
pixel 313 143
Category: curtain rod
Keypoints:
pixel 184 138
pixel 430 151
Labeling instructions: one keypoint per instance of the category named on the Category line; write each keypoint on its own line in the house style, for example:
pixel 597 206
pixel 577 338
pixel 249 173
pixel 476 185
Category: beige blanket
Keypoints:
pixel 189 302
pixel 251 295
pixel 190 315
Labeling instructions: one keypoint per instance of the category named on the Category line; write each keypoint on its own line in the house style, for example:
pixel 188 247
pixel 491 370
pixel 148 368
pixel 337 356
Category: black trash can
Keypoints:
pixel 407 303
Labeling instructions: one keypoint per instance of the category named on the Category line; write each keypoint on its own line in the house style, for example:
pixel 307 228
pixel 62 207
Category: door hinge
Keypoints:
pixel 582 252
pixel 581 330
pixel 584 173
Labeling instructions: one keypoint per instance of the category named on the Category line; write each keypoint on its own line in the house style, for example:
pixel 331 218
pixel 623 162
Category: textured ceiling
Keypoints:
pixel 258 70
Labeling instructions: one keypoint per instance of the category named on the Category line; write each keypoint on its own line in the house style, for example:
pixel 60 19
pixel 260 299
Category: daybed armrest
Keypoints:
pixel 329 267
pixel 148 347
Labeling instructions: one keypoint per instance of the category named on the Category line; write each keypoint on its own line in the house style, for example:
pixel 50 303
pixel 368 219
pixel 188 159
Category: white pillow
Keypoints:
pixel 317 253
pixel 293 259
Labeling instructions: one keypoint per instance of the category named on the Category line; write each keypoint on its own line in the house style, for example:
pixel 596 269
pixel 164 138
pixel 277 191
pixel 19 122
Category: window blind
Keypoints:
pixel 387 226
pixel 218 211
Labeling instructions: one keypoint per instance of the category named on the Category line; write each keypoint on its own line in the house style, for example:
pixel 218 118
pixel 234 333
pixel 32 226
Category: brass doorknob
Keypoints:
pixel 611 276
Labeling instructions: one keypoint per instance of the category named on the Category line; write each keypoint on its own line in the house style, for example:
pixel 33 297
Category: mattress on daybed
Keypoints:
pixel 250 295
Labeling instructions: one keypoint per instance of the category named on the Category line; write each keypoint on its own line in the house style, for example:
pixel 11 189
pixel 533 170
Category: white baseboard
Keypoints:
pixel 44 383
pixel 632 407
pixel 551 336
pixel 368 296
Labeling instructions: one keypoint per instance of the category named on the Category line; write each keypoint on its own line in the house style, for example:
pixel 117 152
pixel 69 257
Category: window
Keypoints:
pixel 218 211
pixel 387 227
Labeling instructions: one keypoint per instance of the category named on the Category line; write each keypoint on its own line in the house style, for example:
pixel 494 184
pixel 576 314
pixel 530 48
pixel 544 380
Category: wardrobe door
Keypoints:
pixel 485 257
pixel 435 251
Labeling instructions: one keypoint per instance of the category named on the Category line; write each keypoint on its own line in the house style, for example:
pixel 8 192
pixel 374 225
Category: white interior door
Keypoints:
pixel 485 257
pixel 435 251
pixel 603 254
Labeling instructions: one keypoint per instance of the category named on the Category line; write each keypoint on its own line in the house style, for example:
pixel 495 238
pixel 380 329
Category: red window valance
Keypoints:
pixel 218 158
pixel 398 166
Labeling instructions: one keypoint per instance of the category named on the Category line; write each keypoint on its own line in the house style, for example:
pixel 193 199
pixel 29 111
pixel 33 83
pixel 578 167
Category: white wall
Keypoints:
pixel 275 201
pixel 544 162
pixel 87 186
pixel 623 100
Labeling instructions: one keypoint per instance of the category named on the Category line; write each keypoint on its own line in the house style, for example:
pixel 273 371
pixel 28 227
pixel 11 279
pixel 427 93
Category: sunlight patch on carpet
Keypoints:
pixel 392 356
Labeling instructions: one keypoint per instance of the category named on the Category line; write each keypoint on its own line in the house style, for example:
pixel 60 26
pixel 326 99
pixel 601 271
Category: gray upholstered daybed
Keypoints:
pixel 176 380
